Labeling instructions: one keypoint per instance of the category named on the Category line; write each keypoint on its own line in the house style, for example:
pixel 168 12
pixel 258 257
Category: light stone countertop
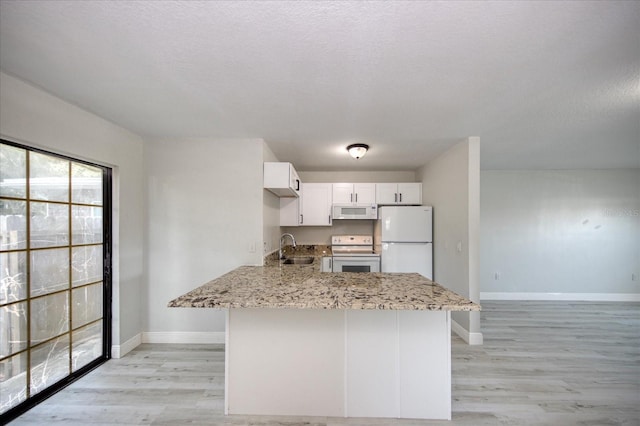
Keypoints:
pixel 305 287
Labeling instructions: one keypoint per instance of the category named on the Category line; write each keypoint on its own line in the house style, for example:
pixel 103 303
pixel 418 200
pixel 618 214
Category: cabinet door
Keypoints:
pixel 281 179
pixel 372 345
pixel 316 204
pixel 386 193
pixel 410 193
pixel 365 193
pixel 343 193
pixel 294 179
pixel 290 211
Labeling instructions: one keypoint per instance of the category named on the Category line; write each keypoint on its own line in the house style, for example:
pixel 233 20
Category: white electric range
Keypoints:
pixel 354 253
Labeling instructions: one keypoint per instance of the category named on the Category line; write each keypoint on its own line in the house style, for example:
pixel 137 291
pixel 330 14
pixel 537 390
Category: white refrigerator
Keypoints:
pixel 404 238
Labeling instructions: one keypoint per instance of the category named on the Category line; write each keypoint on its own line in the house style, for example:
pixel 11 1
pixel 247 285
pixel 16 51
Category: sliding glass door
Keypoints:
pixel 54 272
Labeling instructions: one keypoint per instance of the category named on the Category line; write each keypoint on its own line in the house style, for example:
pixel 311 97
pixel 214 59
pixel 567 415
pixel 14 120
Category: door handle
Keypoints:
pixel 301 219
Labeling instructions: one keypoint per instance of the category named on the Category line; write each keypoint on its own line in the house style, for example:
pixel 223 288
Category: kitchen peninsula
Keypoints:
pixel 303 342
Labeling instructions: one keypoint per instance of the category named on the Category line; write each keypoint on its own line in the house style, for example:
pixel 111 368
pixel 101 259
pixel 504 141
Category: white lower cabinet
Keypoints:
pixel 398 364
pixel 372 380
pixel 351 363
pixel 327 264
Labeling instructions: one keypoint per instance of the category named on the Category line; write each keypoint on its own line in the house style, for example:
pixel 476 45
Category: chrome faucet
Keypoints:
pixel 293 240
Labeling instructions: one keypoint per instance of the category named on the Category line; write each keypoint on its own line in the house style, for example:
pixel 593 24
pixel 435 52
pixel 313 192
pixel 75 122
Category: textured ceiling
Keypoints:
pixel 544 84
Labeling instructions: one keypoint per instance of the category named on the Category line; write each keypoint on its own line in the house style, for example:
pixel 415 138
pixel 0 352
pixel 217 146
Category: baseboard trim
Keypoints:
pixel 118 351
pixel 584 297
pixel 470 338
pixel 183 337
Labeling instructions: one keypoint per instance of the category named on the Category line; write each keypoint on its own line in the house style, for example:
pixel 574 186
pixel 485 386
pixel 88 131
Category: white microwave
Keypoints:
pixel 347 211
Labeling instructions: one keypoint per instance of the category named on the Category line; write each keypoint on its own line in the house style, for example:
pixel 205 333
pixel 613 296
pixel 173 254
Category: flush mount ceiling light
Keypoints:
pixel 357 150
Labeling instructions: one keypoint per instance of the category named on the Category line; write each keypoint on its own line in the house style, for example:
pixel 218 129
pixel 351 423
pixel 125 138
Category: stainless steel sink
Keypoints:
pixel 302 260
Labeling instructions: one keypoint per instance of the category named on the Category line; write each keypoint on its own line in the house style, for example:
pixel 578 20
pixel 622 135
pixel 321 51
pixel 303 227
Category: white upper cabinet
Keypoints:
pixel 387 193
pixel 354 193
pixel 408 193
pixel 316 204
pixel 281 179
pixel 290 211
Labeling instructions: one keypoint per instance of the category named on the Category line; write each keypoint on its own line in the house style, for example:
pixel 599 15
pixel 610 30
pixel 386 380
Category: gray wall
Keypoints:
pixel 560 231
pixel 205 203
pixel 271 211
pixel 33 117
pixel 358 176
pixel 451 184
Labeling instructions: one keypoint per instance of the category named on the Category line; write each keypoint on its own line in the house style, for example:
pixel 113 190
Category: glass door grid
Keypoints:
pixel 54 263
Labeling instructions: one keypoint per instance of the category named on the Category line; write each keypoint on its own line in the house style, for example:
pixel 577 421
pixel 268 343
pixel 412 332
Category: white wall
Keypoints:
pixel 205 203
pixel 451 184
pixel 33 117
pixel 322 234
pixel 358 176
pixel 271 211
pixel 573 233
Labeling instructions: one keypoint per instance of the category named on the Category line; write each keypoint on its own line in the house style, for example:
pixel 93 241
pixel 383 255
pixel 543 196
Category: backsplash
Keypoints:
pixel 321 235
pixel 298 250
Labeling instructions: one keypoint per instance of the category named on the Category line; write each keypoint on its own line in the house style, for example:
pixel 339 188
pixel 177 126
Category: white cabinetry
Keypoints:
pixel 354 193
pixel 316 204
pixel 340 363
pixel 327 264
pixel 281 179
pixel 407 193
pixel 290 211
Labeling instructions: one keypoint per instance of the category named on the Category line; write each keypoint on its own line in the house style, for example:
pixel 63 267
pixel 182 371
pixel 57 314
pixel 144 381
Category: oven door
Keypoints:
pixel 356 264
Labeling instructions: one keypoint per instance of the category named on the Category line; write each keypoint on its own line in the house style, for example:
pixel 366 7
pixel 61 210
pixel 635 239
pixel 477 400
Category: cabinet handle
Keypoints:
pixel 401 197
pixel 331 264
pixel 297 184
pixel 301 219
pixel 351 197
pixel 356 197
pixel 395 197
pixel 329 219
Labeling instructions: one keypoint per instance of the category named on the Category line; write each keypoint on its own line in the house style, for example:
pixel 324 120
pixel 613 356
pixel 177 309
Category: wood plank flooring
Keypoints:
pixel 543 363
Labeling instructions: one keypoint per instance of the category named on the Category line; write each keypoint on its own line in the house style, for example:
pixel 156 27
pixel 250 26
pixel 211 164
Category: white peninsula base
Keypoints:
pixel 344 363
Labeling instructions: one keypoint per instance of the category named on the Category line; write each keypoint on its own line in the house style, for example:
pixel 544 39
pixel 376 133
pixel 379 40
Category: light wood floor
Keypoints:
pixel 543 363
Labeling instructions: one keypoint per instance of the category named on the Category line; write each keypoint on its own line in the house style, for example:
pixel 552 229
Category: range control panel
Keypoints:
pixel 351 240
